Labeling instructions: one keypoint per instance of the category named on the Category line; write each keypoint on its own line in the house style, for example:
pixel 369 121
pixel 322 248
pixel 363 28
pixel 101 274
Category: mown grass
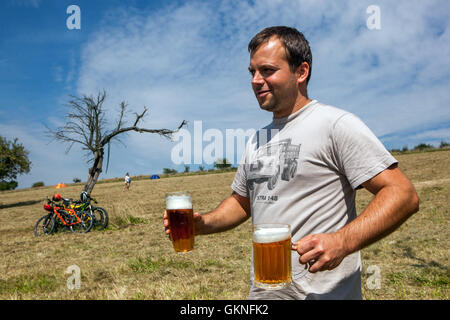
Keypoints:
pixel 28 284
pixel 134 259
pixel 414 260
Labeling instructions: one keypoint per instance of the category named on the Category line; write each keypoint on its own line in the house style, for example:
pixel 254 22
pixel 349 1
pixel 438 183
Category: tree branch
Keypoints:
pixel 163 132
pixel 86 123
pixel 139 116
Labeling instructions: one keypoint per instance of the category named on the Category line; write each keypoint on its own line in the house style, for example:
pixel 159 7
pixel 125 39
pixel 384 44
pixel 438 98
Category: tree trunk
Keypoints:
pixel 94 172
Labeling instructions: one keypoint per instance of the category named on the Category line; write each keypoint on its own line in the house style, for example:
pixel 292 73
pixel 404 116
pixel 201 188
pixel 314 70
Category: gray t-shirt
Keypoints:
pixel 304 170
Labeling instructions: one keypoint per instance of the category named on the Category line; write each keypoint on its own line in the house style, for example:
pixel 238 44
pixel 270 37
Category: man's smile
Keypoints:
pixel 262 93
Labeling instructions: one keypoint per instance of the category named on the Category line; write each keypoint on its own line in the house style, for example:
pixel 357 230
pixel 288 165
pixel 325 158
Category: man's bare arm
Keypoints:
pixel 233 211
pixel 395 201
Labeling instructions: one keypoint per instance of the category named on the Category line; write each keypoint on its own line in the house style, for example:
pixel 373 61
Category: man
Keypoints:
pixel 127 182
pixel 324 155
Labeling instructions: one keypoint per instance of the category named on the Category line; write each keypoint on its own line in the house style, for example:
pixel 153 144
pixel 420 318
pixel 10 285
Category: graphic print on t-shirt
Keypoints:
pixel 272 161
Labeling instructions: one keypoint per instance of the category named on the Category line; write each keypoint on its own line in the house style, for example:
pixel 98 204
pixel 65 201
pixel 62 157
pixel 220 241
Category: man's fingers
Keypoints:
pixel 165 220
pixel 166 224
pixel 320 251
pixel 310 251
pixel 315 265
pixel 310 256
pixel 304 245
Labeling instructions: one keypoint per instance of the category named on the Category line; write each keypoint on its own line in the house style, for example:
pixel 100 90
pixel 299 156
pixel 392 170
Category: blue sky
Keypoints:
pixel 187 60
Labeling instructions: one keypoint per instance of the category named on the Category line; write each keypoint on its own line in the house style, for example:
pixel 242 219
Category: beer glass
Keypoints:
pixel 181 220
pixel 272 256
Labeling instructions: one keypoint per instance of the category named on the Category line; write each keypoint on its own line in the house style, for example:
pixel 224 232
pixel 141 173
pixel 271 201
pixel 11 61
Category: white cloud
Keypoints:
pixel 58 73
pixel 190 62
pixel 438 134
pixel 413 137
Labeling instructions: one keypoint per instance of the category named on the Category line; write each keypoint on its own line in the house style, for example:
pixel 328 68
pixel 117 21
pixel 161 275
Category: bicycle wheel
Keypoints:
pixel 45 225
pixel 84 225
pixel 101 218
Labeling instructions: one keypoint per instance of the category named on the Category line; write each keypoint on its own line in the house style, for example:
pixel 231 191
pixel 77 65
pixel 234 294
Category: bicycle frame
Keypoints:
pixel 83 206
pixel 70 211
pixel 84 212
pixel 60 216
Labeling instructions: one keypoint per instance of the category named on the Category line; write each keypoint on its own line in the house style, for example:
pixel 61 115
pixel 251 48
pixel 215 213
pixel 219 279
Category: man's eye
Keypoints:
pixel 268 71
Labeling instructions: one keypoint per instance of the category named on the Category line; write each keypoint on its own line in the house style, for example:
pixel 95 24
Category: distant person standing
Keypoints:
pixel 127 182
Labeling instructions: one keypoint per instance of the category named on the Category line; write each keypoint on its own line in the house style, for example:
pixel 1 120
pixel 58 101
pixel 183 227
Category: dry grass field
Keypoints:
pixel 133 259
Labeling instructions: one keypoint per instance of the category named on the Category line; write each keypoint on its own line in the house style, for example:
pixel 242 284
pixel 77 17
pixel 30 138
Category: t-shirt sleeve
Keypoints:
pixel 360 155
pixel 239 184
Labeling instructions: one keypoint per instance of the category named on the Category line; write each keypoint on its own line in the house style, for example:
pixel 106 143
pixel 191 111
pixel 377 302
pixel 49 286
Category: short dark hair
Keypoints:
pixel 295 43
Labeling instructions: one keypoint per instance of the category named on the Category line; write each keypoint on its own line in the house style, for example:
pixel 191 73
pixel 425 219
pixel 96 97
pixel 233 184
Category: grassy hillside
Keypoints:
pixel 133 259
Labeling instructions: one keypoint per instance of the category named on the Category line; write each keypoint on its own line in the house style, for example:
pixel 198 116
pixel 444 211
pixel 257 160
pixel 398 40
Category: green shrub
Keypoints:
pixel 8 185
pixel 423 146
pixel 38 184
pixel 169 171
pixel 222 164
pixel 444 144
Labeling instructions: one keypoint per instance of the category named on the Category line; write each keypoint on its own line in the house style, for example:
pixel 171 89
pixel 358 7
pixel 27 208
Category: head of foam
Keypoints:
pixel 182 201
pixel 271 234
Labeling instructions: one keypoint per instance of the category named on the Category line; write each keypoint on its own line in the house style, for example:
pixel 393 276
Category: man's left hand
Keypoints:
pixel 324 251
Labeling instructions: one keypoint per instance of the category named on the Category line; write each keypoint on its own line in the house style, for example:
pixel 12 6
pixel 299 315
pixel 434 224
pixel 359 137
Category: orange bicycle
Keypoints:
pixel 60 216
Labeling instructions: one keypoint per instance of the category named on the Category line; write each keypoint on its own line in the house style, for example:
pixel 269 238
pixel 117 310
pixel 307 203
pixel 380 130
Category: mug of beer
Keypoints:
pixel 181 220
pixel 272 256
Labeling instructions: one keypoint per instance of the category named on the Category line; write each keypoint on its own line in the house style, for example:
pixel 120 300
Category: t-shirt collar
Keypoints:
pixel 279 121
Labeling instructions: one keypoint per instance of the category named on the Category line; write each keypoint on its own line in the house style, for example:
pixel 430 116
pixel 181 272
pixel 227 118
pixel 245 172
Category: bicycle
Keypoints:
pixel 100 215
pixel 46 224
pixel 84 219
pixel 59 216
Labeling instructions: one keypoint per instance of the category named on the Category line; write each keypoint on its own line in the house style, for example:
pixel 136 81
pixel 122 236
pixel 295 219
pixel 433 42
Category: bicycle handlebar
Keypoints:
pixel 69 200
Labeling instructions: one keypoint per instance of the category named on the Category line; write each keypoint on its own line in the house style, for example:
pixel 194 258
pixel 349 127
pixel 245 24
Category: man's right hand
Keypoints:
pixel 197 222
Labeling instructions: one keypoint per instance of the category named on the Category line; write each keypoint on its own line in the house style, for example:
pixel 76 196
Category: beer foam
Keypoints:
pixel 267 235
pixel 178 202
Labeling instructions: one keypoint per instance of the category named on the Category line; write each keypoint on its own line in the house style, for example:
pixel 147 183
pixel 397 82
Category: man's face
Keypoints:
pixel 274 84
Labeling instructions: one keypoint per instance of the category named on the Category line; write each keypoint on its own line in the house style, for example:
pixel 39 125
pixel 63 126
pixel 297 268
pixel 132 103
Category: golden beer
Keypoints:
pixel 181 221
pixel 272 256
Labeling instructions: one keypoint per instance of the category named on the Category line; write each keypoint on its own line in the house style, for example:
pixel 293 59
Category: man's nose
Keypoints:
pixel 257 79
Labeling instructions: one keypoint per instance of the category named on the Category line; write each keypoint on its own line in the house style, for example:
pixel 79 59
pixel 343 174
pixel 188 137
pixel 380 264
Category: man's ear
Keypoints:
pixel 302 73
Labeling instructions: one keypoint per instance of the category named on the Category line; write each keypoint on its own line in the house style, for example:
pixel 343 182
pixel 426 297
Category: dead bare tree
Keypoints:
pixel 86 125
